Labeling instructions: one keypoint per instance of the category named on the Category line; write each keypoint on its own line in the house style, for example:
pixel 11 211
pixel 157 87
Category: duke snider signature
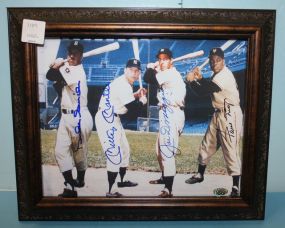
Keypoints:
pixel 76 113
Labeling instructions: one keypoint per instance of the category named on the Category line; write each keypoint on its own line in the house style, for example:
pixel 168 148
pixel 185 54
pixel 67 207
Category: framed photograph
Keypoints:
pixel 141 114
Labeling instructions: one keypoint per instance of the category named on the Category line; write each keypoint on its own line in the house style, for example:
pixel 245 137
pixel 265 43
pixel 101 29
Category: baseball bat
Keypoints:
pixel 223 47
pixel 135 44
pixel 106 48
pixel 189 56
pixel 100 50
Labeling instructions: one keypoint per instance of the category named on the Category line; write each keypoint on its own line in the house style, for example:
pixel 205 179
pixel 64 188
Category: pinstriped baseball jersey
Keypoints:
pixel 174 88
pixel 225 128
pixel 75 127
pixel 111 133
pixel 121 93
pixel 72 75
pixel 226 81
pixel 171 118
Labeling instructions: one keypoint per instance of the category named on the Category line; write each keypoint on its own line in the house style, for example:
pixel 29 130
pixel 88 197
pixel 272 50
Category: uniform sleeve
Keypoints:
pixel 149 77
pixel 126 94
pixel 72 74
pixel 135 104
pixel 204 87
pixel 55 75
pixel 164 76
pixel 224 79
pixel 59 82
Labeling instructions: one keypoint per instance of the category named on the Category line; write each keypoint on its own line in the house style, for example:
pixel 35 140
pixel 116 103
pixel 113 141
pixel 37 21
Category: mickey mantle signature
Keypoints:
pixel 113 152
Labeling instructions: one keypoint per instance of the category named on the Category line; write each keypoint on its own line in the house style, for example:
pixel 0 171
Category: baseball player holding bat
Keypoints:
pixel 171 95
pixel 76 122
pixel 225 127
pixel 117 98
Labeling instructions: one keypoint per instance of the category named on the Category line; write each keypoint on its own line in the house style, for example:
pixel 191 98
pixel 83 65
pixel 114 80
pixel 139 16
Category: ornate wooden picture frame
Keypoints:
pixel 255 27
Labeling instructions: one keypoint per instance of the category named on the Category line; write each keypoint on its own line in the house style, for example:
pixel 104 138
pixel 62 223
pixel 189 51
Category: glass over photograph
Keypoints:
pixel 141 117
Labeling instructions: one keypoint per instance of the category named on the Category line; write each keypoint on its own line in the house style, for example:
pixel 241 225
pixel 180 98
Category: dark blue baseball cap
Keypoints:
pixel 164 51
pixel 217 51
pixel 75 46
pixel 134 63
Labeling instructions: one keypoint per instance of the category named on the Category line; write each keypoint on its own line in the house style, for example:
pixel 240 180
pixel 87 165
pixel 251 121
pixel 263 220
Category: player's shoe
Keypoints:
pixel 165 194
pixel 79 183
pixel 235 192
pixel 114 195
pixel 197 178
pixel 68 191
pixel 127 184
pixel 158 181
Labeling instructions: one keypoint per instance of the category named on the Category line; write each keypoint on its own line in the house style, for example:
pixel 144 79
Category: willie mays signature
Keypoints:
pixel 108 112
pixel 229 130
pixel 228 133
pixel 76 112
pixel 227 109
pixel 165 130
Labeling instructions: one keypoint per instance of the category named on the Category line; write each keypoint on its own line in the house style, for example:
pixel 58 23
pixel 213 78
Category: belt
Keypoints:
pixel 67 111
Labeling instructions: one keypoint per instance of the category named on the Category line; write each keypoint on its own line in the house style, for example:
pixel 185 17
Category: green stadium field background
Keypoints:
pixel 275 183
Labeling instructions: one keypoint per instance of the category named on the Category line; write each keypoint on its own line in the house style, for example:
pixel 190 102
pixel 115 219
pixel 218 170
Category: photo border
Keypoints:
pixel 256 26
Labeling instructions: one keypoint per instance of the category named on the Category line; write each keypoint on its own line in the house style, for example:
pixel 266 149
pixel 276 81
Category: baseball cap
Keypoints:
pixel 75 46
pixel 164 51
pixel 134 63
pixel 217 51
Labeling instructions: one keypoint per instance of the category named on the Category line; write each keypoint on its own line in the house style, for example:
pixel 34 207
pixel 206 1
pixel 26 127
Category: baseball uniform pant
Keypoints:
pixel 71 147
pixel 224 130
pixel 171 123
pixel 114 142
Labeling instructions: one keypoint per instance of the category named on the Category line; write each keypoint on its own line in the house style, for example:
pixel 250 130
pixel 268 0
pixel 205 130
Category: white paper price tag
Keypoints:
pixel 33 31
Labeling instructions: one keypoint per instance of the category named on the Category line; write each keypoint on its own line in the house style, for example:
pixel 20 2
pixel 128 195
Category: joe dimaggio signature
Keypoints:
pixel 165 129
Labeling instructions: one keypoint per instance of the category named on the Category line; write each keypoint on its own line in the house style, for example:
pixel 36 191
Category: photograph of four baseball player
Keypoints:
pixel 76 122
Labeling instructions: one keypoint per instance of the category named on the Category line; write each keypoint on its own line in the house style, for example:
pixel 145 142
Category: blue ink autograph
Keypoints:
pixel 113 152
pixel 165 129
pixel 76 113
pixel 77 129
pixel 112 155
pixel 78 93
pixel 108 112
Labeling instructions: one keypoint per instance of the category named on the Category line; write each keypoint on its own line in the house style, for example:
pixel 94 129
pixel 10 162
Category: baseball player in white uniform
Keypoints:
pixel 76 122
pixel 226 125
pixel 115 101
pixel 171 95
